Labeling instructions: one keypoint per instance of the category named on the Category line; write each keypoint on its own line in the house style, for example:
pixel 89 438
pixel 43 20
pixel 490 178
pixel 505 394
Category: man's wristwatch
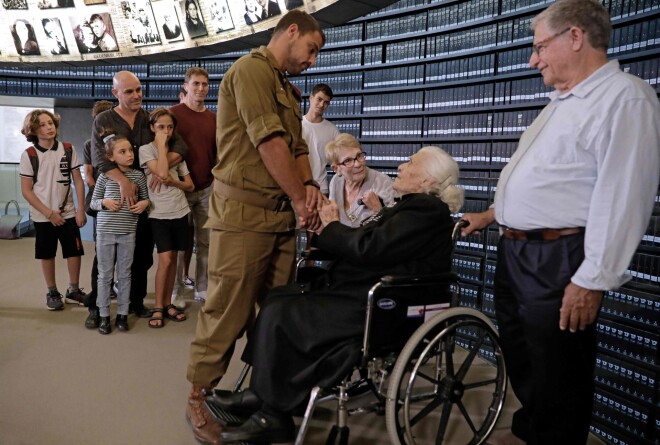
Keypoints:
pixel 312 183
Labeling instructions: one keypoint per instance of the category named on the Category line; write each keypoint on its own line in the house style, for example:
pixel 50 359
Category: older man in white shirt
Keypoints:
pixel 572 206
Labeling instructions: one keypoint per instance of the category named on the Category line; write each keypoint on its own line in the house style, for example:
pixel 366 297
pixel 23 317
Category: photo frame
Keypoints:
pixel 25 39
pixel 94 33
pixel 54 42
pixel 14 4
pixel 193 19
pixel 143 29
pixel 168 21
pixel 221 19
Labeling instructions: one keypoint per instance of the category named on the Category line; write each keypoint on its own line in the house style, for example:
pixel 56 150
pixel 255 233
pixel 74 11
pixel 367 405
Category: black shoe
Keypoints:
pixel 105 327
pixel 242 403
pixel 122 322
pixel 262 427
pixel 54 301
pixel 141 311
pixel 93 319
pixel 76 297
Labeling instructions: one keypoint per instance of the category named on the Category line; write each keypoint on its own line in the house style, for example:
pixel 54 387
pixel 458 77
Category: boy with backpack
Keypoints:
pixel 46 170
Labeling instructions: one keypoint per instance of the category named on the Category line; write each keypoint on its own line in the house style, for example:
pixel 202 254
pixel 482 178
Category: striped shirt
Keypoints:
pixel 123 221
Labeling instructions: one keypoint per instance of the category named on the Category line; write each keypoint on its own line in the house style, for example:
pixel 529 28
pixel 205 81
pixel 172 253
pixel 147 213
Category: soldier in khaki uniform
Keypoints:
pixel 262 176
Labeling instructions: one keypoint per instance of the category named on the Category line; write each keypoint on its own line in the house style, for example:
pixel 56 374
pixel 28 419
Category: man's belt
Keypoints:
pixel 252 198
pixel 539 234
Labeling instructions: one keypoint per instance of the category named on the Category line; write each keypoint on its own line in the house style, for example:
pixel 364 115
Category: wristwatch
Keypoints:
pixel 312 183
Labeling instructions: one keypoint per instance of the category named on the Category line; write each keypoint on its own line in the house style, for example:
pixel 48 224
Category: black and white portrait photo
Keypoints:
pixel 24 38
pixel 48 4
pixel 94 34
pixel 194 22
pixel 14 4
pixel 54 43
pixel 142 24
pixel 167 20
pixel 258 10
pixel 220 16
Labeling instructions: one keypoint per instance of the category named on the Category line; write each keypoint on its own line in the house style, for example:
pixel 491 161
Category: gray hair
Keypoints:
pixel 589 15
pixel 443 169
pixel 341 141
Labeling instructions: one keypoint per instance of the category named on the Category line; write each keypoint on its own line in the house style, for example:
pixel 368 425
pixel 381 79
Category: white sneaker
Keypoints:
pixel 178 301
pixel 200 296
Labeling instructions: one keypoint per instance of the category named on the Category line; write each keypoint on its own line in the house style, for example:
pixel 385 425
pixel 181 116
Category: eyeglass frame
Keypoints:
pixel 350 162
pixel 539 46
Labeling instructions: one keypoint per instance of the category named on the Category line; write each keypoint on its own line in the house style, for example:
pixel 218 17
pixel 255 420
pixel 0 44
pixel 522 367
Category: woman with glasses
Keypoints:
pixel 359 191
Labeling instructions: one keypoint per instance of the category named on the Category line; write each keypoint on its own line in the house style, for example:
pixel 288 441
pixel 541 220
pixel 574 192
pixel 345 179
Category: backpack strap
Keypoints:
pixel 68 152
pixel 34 160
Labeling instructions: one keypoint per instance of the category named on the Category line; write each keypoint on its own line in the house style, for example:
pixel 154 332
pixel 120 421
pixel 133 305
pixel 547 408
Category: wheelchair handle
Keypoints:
pixel 460 224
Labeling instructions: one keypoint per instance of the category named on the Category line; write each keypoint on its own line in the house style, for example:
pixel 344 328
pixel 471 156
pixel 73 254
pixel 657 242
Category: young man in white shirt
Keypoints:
pixel 318 131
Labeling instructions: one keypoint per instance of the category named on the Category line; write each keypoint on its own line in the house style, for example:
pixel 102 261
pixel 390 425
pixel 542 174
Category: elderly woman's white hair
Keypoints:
pixel 440 166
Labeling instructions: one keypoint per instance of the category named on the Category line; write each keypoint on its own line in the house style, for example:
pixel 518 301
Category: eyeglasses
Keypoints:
pixel 350 162
pixel 540 46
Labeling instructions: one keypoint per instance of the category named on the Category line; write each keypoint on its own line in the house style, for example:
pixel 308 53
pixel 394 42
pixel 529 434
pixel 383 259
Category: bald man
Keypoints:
pixel 130 120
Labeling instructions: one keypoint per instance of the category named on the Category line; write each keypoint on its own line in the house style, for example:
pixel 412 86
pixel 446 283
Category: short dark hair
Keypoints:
pixel 160 112
pixel 96 17
pixel 325 89
pixel 306 24
pixel 31 124
pixel 195 71
pixel 100 106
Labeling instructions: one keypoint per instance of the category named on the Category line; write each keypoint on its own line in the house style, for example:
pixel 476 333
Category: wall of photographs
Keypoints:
pixel 453 73
pixel 61 30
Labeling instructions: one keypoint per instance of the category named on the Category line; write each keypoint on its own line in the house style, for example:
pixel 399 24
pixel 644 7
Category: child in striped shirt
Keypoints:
pixel 116 223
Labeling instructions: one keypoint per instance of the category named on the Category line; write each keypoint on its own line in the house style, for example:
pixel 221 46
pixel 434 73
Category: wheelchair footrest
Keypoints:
pixel 224 417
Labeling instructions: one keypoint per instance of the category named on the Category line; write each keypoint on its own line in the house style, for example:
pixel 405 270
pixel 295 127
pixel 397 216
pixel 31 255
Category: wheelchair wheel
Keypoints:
pixel 452 360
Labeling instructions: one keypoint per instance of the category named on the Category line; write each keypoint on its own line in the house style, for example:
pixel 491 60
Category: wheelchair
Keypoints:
pixel 426 364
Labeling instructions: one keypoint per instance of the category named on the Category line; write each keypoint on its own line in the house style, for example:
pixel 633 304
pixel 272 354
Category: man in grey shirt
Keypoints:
pixel 129 119
pixel 572 205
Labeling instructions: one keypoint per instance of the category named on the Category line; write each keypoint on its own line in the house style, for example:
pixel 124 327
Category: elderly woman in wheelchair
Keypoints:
pixel 310 334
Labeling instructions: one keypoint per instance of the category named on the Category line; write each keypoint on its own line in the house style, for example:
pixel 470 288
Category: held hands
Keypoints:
pixel 312 197
pixel 579 307
pixel 328 212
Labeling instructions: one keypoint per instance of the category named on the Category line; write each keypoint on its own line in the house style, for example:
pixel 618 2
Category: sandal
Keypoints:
pixel 156 322
pixel 174 314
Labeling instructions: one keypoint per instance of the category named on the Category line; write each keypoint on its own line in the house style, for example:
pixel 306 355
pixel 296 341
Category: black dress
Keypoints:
pixel 303 339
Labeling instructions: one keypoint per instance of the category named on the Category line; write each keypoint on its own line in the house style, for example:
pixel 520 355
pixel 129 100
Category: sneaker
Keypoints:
pixel 54 301
pixel 178 301
pixel 188 282
pixel 200 296
pixel 75 297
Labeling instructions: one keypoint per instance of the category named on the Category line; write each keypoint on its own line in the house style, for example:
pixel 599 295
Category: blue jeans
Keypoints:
pixel 110 246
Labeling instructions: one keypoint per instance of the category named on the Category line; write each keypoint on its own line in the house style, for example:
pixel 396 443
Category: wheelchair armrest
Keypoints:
pixel 401 280
pixel 317 255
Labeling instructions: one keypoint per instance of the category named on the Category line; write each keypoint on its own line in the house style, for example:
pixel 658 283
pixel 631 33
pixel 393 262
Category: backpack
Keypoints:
pixel 34 160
